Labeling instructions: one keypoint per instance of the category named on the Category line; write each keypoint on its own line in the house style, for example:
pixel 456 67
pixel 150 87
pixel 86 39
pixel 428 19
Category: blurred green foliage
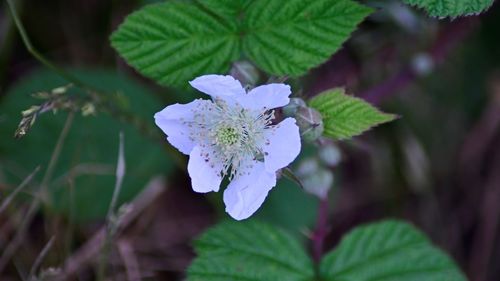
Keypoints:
pixel 92 144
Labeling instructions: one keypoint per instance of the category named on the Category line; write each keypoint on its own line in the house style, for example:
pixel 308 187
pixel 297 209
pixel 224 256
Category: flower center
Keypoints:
pixel 227 136
pixel 230 134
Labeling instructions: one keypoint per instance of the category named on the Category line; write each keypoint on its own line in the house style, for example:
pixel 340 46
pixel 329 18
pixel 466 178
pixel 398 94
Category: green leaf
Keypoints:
pixel 453 8
pixel 388 251
pixel 345 116
pixel 174 42
pixel 249 251
pixel 90 150
pixel 290 37
pixel 230 8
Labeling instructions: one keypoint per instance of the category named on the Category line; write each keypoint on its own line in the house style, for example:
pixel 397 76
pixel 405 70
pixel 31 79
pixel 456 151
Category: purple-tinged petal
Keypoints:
pixel 247 191
pixel 281 145
pixel 266 97
pixel 204 170
pixel 224 87
pixel 173 120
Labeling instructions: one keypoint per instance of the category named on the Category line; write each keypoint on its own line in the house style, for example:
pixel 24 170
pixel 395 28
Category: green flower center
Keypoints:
pixel 227 136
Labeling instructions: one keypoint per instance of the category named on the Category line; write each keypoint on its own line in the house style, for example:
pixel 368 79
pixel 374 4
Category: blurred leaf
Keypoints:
pixel 174 42
pixel 91 148
pixel 389 251
pixel 290 37
pixel 288 205
pixel 454 8
pixel 345 116
pixel 249 251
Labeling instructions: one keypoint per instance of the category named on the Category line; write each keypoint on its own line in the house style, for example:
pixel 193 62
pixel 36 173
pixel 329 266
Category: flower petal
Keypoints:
pixel 171 121
pixel 247 191
pixel 266 97
pixel 218 86
pixel 205 173
pixel 282 145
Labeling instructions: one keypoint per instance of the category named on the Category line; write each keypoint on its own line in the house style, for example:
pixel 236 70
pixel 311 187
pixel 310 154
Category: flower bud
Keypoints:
pixel 291 108
pixel 315 179
pixel 310 123
pixel 330 155
pixel 422 64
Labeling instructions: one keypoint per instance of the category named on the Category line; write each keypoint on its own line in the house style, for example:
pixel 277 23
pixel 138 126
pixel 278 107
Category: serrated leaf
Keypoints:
pixel 346 116
pixel 174 42
pixel 454 8
pixel 230 8
pixel 388 251
pixel 290 37
pixel 247 251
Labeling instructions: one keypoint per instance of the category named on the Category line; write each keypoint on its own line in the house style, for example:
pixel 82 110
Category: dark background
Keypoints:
pixel 438 166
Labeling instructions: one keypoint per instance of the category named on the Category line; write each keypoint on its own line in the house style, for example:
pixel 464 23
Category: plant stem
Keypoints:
pixel 53 159
pixel 34 52
pixel 16 241
pixel 111 218
pixel 7 43
pixel 40 258
pixel 12 195
pixel 120 173
pixel 319 234
pixel 104 99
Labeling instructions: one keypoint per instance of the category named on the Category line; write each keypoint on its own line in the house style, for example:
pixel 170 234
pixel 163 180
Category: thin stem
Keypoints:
pixel 71 217
pixel 129 260
pixel 319 234
pixel 111 218
pixel 33 51
pixel 105 99
pixel 7 43
pixel 16 241
pixel 40 258
pixel 18 189
pixel 35 204
pixel 120 173
pixel 53 159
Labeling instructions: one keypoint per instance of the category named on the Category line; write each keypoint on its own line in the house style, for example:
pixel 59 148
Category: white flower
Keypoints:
pixel 232 135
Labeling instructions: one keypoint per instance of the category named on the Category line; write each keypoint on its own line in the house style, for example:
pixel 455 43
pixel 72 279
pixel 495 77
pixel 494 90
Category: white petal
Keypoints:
pixel 171 121
pixel 266 97
pixel 247 191
pixel 282 145
pixel 218 86
pixel 205 173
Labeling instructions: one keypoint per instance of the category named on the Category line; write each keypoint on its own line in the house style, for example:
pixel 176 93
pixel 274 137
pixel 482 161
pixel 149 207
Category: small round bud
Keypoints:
pixel 315 179
pixel 330 155
pixel 422 64
pixel 310 123
pixel 291 108
pixel 307 167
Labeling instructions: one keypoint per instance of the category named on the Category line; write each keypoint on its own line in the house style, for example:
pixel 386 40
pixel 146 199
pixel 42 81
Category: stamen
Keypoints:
pixel 233 133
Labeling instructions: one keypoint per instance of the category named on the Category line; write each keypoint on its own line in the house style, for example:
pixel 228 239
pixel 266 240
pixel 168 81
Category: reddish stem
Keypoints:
pixel 319 234
pixel 449 38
